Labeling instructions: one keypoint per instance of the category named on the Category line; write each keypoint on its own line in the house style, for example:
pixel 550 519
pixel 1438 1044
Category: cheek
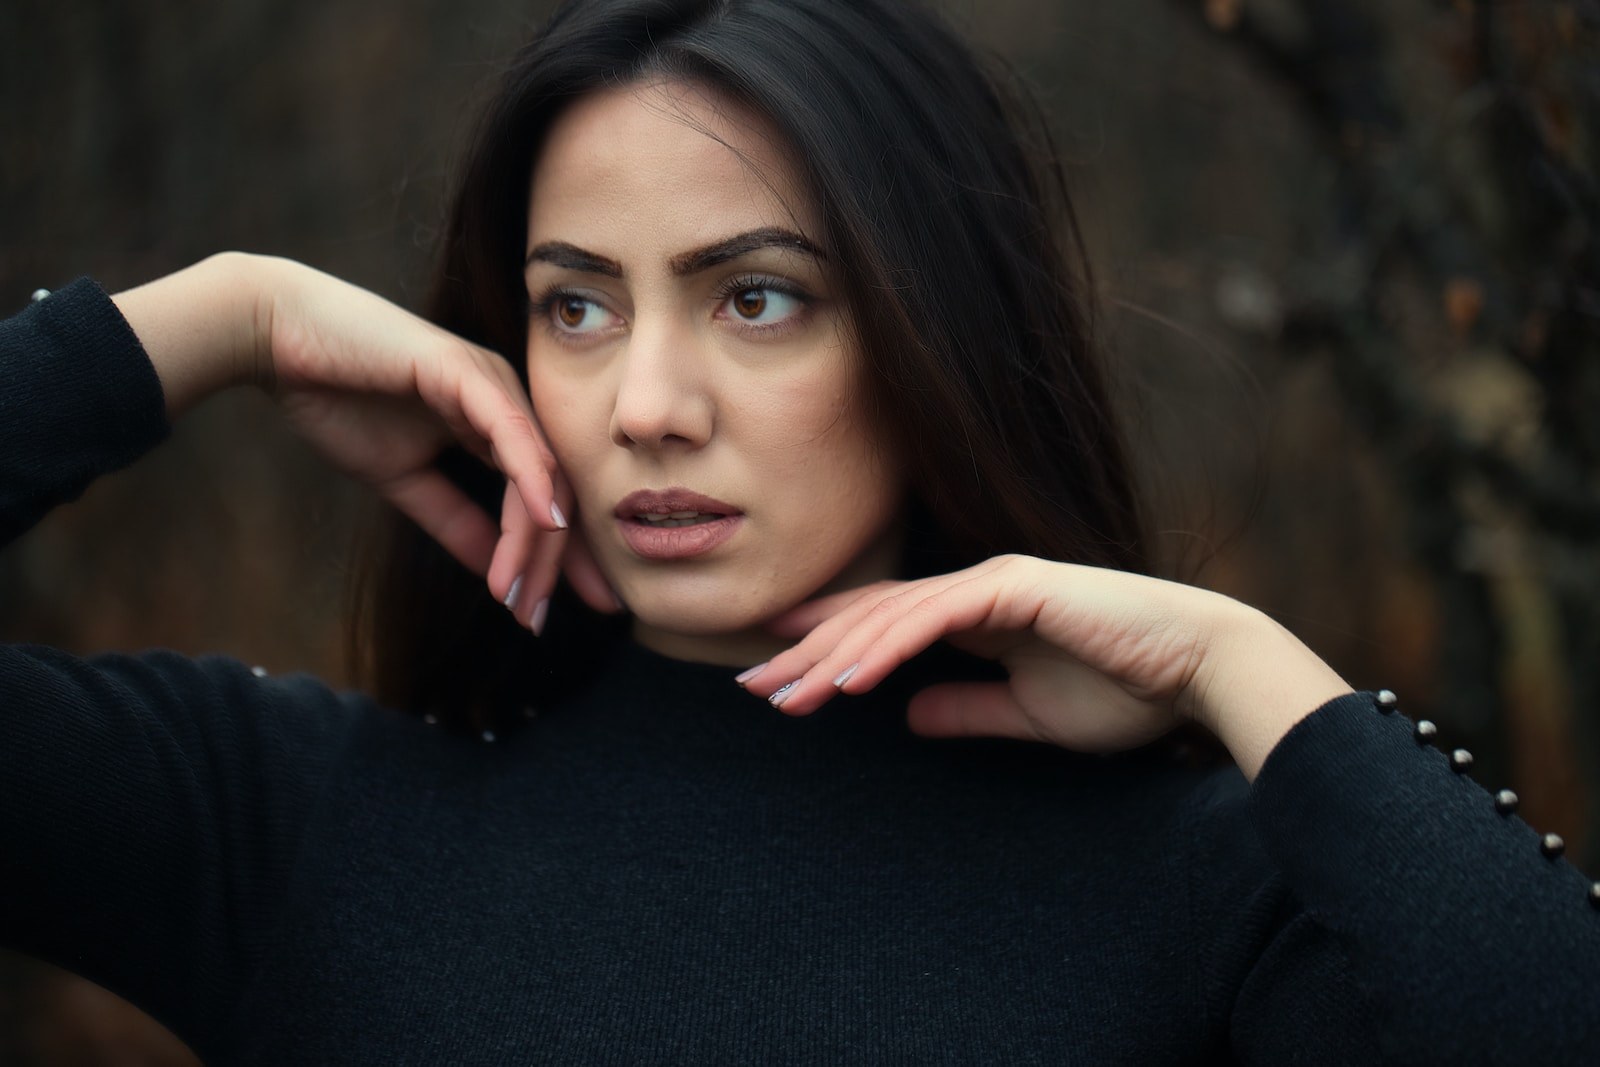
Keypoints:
pixel 562 417
pixel 814 437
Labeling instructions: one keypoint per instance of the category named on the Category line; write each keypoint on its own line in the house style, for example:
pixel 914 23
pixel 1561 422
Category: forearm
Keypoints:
pixel 1475 940
pixel 200 326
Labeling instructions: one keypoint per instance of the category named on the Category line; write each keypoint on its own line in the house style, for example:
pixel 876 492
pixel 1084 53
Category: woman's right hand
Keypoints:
pixel 379 392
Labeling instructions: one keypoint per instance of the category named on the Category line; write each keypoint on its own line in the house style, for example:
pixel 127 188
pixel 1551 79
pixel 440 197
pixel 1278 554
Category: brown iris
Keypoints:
pixel 750 302
pixel 571 310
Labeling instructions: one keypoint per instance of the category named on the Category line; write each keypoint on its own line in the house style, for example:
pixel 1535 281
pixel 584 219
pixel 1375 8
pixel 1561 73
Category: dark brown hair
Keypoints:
pixel 953 245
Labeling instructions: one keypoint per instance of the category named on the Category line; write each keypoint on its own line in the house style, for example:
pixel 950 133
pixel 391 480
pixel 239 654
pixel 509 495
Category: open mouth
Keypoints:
pixel 676 518
pixel 682 533
pixel 669 510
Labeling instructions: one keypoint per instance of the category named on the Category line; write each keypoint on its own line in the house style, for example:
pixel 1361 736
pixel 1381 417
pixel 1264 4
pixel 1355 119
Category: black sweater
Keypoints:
pixel 660 867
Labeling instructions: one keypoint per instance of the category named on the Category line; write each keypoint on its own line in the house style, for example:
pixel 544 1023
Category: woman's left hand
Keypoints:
pixel 1098 660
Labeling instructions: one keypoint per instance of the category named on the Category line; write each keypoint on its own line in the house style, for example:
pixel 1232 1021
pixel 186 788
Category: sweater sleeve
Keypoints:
pixel 150 805
pixel 1417 914
pixel 78 398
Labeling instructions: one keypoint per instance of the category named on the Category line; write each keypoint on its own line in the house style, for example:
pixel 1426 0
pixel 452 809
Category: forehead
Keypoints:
pixel 664 164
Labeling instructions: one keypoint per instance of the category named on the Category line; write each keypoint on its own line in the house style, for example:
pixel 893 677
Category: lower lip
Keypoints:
pixel 678 542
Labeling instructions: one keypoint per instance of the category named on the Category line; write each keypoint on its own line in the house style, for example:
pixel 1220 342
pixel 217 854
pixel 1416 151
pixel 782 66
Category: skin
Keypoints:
pixel 670 391
pixel 376 390
pixel 1098 660
pixel 737 380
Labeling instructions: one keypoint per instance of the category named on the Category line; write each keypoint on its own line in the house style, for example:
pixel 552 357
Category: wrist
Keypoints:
pixel 1258 681
pixel 199 327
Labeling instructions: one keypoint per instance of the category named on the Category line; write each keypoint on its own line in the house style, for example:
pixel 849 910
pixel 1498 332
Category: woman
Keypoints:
pixel 802 397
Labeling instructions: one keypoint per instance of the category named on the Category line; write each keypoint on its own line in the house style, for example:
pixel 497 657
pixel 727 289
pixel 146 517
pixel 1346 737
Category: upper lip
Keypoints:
pixel 666 501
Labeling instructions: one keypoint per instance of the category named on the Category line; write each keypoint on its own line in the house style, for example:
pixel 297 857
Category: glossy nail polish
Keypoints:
pixel 536 621
pixel 745 676
pixel 511 597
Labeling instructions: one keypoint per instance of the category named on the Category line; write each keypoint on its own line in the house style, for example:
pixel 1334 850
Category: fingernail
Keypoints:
pixel 536 622
pixel 777 699
pixel 745 676
pixel 555 513
pixel 845 675
pixel 511 597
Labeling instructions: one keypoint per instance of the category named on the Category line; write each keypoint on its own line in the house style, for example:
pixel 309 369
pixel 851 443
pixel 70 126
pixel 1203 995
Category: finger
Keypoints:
pixel 519 450
pixel 969 709
pixel 897 628
pixel 863 619
pixel 447 515
pixel 523 566
pixel 543 567
pixel 539 580
pixel 478 408
pixel 839 613
pixel 518 536
pixel 577 560
pixel 803 618
pixel 858 659
pixel 790 664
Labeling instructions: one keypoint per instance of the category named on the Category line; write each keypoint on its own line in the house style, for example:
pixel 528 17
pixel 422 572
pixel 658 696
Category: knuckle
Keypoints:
pixel 517 424
pixel 464 351
pixel 929 607
pixel 889 606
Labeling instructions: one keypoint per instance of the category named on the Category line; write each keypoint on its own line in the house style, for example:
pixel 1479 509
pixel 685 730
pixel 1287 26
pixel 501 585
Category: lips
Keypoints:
pixel 670 501
pixel 682 524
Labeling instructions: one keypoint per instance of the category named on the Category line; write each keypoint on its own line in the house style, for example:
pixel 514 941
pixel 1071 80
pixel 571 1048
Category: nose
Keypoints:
pixel 663 400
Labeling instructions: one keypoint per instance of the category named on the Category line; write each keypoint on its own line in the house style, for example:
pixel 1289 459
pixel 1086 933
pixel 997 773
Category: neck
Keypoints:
pixel 742 648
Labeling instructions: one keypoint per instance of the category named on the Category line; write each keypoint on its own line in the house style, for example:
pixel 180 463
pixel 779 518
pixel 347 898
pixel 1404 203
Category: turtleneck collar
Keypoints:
pixel 640 698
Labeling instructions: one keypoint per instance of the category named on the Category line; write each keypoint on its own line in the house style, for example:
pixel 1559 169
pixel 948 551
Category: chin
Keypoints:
pixel 702 615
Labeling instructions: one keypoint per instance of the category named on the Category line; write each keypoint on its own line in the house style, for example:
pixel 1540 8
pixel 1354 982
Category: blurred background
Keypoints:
pixel 1349 252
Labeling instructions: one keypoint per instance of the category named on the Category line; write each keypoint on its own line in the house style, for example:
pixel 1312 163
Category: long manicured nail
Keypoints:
pixel 511 597
pixel 745 676
pixel 845 675
pixel 555 514
pixel 540 610
pixel 777 699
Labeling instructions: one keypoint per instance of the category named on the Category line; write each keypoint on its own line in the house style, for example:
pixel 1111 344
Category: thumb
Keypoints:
pixel 969 709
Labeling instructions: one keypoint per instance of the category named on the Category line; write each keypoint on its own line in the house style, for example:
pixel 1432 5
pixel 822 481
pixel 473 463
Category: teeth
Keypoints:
pixel 676 518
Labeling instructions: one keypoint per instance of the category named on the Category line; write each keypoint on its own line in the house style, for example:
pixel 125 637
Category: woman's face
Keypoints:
pixel 685 339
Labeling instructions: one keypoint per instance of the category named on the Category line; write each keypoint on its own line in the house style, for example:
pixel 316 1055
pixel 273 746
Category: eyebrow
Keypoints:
pixel 571 257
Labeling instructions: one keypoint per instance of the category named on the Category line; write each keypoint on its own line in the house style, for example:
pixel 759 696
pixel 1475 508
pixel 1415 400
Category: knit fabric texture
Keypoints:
pixel 660 868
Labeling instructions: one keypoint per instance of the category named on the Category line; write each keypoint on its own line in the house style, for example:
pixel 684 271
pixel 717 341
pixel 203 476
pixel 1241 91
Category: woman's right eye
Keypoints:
pixel 572 315
pixel 576 314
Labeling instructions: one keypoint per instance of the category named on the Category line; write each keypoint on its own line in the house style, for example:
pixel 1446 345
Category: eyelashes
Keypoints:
pixel 559 298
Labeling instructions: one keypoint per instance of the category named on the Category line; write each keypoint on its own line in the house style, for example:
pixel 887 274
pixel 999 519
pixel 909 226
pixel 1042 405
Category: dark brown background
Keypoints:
pixel 1349 249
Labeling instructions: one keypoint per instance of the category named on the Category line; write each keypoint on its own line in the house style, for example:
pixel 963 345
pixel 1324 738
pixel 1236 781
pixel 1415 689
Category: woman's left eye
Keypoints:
pixel 762 306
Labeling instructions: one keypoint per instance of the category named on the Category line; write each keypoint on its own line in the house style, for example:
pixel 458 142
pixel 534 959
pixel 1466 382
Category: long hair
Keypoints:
pixel 953 245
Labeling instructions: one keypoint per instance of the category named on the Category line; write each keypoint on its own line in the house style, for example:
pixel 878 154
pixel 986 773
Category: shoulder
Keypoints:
pixel 215 710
